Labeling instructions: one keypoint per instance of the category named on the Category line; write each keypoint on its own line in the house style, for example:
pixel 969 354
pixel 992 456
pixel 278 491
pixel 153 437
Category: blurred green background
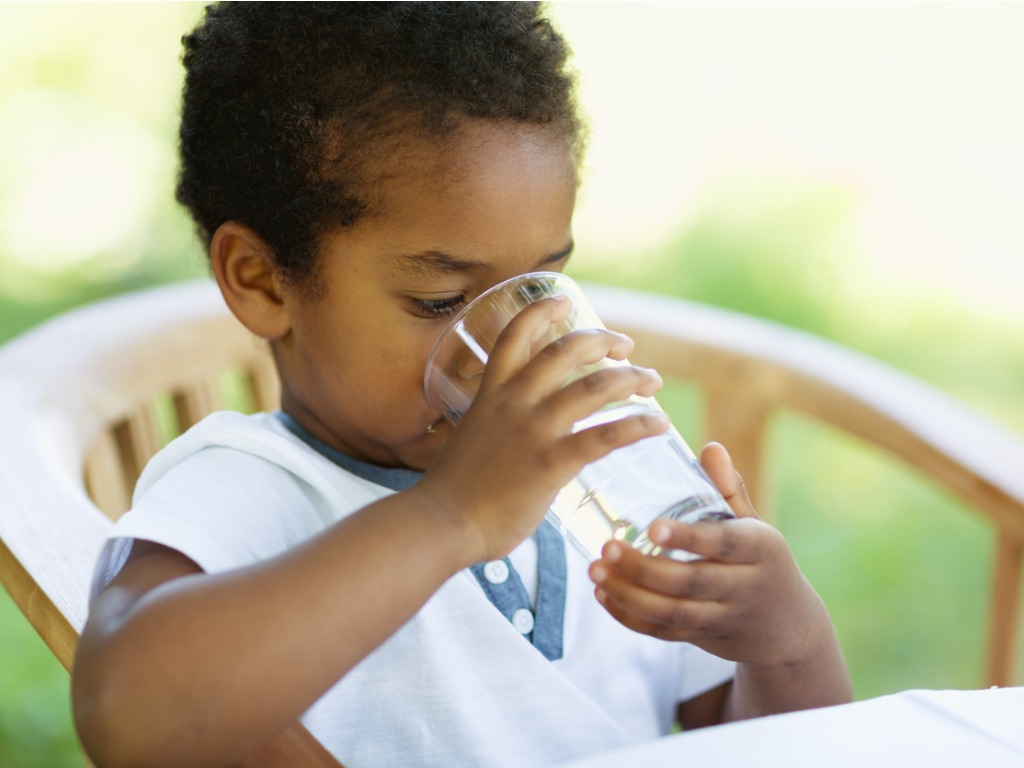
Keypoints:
pixel 848 169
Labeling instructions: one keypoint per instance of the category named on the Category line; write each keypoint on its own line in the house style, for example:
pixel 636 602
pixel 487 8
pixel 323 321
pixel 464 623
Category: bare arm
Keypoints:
pixel 169 651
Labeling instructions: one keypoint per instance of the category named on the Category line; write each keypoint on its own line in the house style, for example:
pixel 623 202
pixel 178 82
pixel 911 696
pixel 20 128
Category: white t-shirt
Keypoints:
pixel 457 684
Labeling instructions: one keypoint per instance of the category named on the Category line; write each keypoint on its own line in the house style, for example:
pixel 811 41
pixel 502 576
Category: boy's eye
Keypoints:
pixel 433 309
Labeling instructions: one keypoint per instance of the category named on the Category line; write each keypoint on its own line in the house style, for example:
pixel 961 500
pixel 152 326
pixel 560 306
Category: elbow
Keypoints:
pixel 98 724
pixel 109 726
pixel 121 724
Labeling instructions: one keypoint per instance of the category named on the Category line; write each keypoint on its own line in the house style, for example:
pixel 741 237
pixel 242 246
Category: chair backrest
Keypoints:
pixel 84 399
pixel 89 396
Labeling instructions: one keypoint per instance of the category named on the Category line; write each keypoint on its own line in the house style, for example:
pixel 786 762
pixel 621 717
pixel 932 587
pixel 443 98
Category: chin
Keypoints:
pixel 421 453
pixel 419 461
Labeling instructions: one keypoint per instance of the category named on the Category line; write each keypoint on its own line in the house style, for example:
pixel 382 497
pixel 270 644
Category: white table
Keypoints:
pixel 976 729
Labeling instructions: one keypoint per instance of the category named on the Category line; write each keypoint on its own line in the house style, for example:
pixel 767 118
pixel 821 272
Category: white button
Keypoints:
pixel 496 571
pixel 522 620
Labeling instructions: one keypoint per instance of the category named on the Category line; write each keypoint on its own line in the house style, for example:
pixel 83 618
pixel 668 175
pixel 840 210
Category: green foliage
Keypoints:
pixel 35 711
pixel 901 566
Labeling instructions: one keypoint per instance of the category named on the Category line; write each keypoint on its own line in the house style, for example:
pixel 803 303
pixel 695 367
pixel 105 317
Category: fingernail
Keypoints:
pixel 598 574
pixel 613 552
pixel 659 534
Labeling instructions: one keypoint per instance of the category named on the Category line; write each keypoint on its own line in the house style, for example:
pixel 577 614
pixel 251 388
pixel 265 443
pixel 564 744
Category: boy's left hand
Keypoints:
pixel 746 601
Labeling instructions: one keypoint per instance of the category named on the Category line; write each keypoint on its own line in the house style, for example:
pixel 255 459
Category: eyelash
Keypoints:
pixel 433 309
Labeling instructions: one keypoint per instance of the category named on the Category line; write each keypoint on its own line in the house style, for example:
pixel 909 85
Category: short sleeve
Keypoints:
pixel 220 507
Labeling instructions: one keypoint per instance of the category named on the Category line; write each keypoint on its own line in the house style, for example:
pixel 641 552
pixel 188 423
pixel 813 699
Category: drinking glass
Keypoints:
pixel 615 497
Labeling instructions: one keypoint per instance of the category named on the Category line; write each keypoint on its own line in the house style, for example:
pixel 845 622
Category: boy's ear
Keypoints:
pixel 244 267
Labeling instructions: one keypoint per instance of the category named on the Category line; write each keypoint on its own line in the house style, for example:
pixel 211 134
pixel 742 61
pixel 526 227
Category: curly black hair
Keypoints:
pixel 285 105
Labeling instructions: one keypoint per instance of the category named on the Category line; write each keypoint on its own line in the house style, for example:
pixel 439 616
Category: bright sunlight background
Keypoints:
pixel 853 169
pixel 912 109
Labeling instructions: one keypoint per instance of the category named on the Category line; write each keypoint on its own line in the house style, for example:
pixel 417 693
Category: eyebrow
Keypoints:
pixel 434 264
pixel 441 264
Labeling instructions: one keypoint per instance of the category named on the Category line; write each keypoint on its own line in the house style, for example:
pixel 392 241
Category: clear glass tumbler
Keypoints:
pixel 616 497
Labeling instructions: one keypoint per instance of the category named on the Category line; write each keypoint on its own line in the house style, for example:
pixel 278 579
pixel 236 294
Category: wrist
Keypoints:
pixel 814 674
pixel 461 541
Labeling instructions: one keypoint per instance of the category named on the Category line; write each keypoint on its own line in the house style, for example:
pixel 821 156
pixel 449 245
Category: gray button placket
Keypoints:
pixel 551 592
pixel 509 595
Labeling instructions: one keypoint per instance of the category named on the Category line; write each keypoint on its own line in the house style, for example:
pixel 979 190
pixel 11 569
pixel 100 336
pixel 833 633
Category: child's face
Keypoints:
pixel 451 226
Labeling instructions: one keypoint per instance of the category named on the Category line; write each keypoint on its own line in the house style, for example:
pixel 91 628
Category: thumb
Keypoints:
pixel 718 464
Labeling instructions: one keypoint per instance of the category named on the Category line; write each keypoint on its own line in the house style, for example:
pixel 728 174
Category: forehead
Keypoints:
pixel 491 189
pixel 474 152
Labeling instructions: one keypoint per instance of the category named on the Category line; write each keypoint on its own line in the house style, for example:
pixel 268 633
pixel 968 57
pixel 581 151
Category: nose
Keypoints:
pixel 468 364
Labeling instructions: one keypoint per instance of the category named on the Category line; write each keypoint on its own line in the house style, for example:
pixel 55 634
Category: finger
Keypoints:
pixel 515 345
pixel 573 356
pixel 560 363
pixel 694 580
pixel 718 464
pixel 660 615
pixel 621 353
pixel 589 394
pixel 590 444
pixel 725 541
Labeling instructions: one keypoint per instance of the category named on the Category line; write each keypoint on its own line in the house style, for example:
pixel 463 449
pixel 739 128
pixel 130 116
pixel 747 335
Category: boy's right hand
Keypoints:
pixel 515 448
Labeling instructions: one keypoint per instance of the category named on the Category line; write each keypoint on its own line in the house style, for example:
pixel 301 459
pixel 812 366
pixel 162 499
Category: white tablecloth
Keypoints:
pixel 976 729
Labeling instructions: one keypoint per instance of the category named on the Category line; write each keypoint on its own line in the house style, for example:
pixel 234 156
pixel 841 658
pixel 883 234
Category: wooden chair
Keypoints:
pixel 89 396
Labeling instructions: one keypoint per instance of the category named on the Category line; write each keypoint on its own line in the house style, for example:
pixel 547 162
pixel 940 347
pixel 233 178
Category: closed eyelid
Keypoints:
pixel 435 309
pixel 562 255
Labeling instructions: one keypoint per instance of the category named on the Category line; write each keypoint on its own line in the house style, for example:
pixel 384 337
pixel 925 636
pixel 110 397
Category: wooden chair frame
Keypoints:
pixel 82 397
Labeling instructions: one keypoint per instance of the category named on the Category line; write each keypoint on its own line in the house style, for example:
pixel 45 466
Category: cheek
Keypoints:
pixel 395 368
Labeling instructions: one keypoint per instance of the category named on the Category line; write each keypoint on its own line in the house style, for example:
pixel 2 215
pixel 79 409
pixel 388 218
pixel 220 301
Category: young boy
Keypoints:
pixel 359 172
